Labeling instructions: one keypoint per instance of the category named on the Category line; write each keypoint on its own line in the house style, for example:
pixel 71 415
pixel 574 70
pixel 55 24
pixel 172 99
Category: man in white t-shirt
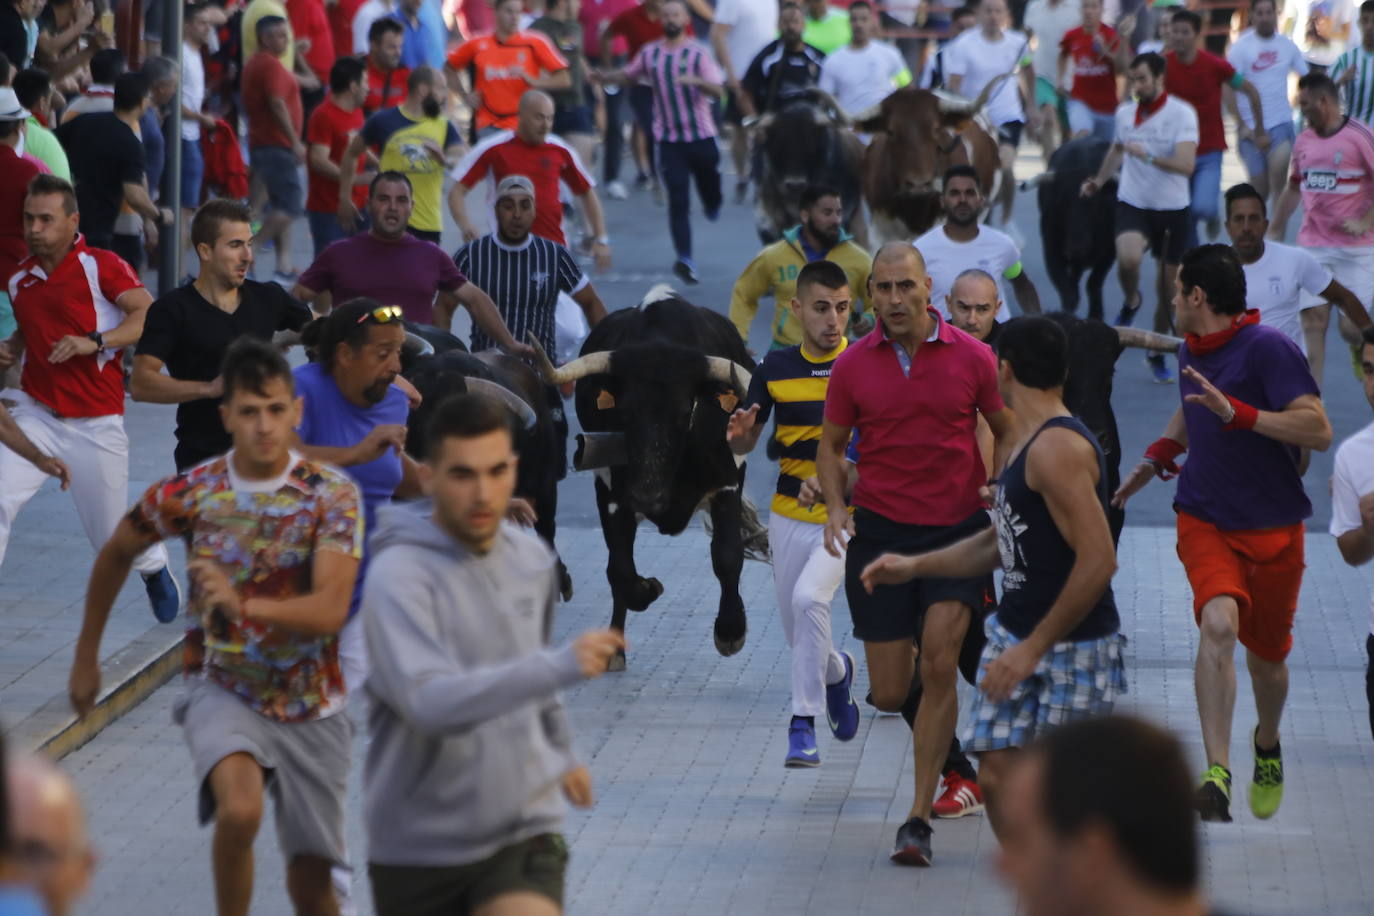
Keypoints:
pixel 1046 23
pixel 864 72
pixel 1265 58
pixel 738 33
pixel 960 243
pixel 1277 276
pixel 1156 145
pixel 195 34
pixel 1352 502
pixel 982 55
pixel 961 21
pixel 1320 27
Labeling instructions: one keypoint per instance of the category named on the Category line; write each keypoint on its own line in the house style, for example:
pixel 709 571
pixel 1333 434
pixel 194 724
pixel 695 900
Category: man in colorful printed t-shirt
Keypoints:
pixel 273 541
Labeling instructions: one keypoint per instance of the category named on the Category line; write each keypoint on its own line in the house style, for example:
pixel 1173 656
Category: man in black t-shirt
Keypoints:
pixel 189 329
pixel 107 162
pixel 786 67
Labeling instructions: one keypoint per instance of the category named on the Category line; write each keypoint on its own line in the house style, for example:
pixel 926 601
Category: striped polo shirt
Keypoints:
pixel 1358 94
pixel 523 280
pixel 795 384
pixel 682 114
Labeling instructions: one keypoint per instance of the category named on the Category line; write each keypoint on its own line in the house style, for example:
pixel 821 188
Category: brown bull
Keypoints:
pixel 917 135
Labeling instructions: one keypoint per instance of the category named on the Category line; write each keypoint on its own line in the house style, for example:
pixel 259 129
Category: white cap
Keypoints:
pixel 10 109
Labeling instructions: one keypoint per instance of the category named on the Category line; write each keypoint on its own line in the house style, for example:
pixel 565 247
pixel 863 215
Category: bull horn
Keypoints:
pixel 727 372
pixel 762 122
pixel 503 395
pixel 1147 340
pixel 585 365
pixel 417 345
pixel 868 114
pixel 956 104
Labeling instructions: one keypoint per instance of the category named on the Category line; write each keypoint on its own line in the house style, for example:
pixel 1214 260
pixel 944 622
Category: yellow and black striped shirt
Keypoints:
pixel 795 384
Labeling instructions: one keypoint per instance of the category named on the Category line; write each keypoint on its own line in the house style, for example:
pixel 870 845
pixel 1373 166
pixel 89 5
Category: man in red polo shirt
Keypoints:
pixel 332 125
pixel 531 152
pixel 1196 77
pixel 913 388
pixel 386 78
pixel 77 307
pixel 501 66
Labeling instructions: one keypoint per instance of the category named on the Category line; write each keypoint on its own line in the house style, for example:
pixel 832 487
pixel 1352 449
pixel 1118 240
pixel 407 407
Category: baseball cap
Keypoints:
pixel 10 109
pixel 514 184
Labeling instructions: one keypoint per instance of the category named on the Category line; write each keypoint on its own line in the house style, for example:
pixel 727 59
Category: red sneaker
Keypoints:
pixel 960 797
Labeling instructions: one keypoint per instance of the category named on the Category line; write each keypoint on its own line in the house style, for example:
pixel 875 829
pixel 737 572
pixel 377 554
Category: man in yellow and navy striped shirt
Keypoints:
pixel 793 382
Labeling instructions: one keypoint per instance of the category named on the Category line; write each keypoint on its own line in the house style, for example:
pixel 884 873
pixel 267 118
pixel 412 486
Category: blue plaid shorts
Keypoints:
pixel 1075 680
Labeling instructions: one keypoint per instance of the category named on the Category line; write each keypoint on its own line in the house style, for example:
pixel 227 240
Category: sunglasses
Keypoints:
pixel 383 315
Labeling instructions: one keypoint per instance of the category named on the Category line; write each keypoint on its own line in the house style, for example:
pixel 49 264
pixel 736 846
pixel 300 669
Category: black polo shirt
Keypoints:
pixel 190 335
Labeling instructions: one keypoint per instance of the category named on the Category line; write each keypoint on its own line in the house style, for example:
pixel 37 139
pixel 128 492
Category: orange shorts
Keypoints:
pixel 1261 569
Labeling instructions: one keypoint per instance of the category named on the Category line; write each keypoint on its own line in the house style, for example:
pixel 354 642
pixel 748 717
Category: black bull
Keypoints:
pixel 802 146
pixel 665 376
pixel 1077 231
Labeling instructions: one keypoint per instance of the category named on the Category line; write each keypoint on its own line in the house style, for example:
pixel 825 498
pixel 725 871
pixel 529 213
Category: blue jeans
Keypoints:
pixel 324 230
pixel 678 165
pixel 192 173
pixel 1206 193
pixel 615 133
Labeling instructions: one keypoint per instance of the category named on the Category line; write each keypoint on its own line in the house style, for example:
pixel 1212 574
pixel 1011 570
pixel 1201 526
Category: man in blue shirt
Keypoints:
pixel 417 45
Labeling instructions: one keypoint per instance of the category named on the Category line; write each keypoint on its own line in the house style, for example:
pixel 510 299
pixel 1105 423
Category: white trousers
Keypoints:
pixel 353 655
pixel 96 450
pixel 806 577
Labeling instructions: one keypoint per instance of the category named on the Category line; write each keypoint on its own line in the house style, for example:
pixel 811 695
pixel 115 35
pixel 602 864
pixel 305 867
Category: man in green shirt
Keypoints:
pixel 33 87
pixel 827 28
pixel 1353 71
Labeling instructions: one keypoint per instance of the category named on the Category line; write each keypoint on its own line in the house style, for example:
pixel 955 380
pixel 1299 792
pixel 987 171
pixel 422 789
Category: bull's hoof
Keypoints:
pixel 729 647
pixel 616 662
pixel 565 583
pixel 645 593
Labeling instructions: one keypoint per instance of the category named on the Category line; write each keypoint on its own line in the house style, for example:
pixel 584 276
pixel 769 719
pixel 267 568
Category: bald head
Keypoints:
pixel 899 289
pixel 973 302
pixel 50 832
pixel 900 252
pixel 535 116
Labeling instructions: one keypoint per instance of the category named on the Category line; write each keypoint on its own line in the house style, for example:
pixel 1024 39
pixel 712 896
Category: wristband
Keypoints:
pixel 603 240
pixel 1162 453
pixel 1244 417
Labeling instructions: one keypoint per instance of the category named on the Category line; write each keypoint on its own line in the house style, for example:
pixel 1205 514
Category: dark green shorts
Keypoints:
pixel 537 865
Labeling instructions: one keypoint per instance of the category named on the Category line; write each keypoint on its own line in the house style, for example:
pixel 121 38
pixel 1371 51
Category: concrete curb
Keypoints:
pixel 130 677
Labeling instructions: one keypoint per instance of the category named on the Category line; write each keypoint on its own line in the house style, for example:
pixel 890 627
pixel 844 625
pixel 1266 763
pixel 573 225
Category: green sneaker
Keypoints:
pixel 1266 791
pixel 1213 798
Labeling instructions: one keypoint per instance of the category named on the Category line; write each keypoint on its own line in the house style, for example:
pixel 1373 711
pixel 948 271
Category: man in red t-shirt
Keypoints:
pixel 545 162
pixel 1196 77
pixel 1097 55
pixel 76 307
pixel 331 127
pixel 272 105
pixel 310 24
pixel 386 78
pixel 501 66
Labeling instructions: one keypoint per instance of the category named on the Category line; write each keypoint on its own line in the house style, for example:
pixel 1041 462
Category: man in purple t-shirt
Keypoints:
pixel 390 265
pixel 1250 406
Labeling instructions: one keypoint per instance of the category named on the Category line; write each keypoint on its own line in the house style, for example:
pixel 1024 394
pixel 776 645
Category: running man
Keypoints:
pixel 470 747
pixel 1333 177
pixel 1249 405
pixel 1277 275
pixel 805 575
pixel 1054 650
pixel 274 541
pixel 912 389
pixel 1265 58
pixel 1353 71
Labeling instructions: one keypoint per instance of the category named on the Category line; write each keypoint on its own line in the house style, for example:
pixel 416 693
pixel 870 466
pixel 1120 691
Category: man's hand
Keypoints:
pixel 741 422
pixel 1137 150
pixel 55 467
pixel 577 787
pixel 470 233
pixel 1088 188
pixel 215 387
pixel 521 511
pixel 691 81
pixel 1367 513
pixel 810 492
pixel 1211 396
pixel 348 214
pixel 1347 77
pixel 413 396
pixel 1261 139
pixel 83 685
pixel 888 569
pixel 1354 226
pixel 474 100
pixel 70 346
pixel 9 355
pixel 839 528
pixel 602 253
pixel 1142 474
pixel 434 150
pixel 217 592
pixel 298 150
pixel 521 351
pixel 206 121
pixel 594 649
pixel 375 444
pixel 1008 670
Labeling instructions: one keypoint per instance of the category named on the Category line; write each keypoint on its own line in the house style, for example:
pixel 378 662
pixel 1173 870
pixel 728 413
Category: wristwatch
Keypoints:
pixel 98 338
pixel 603 240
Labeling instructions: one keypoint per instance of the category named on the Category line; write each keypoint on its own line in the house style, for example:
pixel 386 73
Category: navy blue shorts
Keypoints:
pixel 577 120
pixel 281 175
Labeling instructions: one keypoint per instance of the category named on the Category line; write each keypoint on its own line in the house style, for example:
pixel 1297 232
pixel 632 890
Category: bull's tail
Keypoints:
pixel 752 529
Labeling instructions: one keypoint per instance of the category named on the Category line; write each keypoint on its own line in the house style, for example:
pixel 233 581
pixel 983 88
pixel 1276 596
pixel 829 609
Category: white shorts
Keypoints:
pixel 1352 266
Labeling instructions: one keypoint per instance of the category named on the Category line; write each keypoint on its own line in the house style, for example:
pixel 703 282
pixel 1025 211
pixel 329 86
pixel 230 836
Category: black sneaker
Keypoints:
pixel 685 271
pixel 913 843
pixel 1213 798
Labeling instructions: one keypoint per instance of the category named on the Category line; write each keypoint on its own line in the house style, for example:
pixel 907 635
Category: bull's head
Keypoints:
pixel 796 148
pixel 664 393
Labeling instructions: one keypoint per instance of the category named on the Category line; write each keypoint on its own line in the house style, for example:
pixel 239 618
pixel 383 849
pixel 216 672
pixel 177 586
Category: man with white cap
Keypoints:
pixel 15 174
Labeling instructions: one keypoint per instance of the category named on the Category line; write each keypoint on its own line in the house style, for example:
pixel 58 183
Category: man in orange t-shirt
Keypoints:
pixel 502 66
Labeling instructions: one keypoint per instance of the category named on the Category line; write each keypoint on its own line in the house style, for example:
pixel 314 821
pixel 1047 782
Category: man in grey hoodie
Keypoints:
pixel 470 753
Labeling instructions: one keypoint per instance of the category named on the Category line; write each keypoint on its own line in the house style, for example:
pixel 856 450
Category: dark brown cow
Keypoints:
pixel 917 135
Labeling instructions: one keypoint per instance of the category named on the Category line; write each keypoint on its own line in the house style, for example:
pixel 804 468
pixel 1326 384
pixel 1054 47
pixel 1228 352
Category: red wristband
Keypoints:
pixel 1162 452
pixel 1246 416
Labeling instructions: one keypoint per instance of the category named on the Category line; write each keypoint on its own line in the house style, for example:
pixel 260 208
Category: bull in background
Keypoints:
pixel 665 376
pixel 801 146
pixel 1078 232
pixel 917 136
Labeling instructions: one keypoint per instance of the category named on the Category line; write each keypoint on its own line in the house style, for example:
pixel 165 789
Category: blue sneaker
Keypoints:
pixel 801 745
pixel 840 708
pixel 1159 370
pixel 164 594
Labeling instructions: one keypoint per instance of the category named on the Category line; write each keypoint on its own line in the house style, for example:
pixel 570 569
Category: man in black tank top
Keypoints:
pixel 1054 653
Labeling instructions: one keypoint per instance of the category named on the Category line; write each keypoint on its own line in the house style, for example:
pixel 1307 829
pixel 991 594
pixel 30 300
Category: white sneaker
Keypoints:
pixel 617 191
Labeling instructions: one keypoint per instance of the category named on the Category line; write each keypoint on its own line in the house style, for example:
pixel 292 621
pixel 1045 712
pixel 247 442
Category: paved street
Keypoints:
pixel 695 810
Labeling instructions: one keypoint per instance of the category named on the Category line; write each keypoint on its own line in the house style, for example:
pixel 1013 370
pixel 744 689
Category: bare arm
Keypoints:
pixel 348 169
pixel 1302 423
pixel 831 469
pixel 320 612
pixel 1288 202
pixel 601 250
pixel 148 383
pixel 1026 295
pixel 975 555
pixel 13 438
pixel 486 317
pixel 277 107
pixel 1248 89
pixel 445 304
pixel 458 206
pixel 743 430
pixel 559 79
pixel 591 303
pixel 1348 303
pixel 720 33
pixel 1181 160
pixel 1110 164
pixel 1357 547
pixel 111 568
pixel 1003 426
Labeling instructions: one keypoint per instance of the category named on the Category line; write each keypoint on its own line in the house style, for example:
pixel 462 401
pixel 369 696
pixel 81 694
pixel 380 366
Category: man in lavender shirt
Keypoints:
pixel 390 265
pixel 684 78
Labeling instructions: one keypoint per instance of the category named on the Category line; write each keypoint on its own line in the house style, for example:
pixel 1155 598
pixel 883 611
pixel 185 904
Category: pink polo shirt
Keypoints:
pixel 918 455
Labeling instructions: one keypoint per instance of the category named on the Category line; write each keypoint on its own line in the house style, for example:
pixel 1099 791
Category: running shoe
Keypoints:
pixel 616 190
pixel 1127 313
pixel 741 191
pixel 961 797
pixel 164 594
pixel 1213 798
pixel 1159 370
pixel 1266 790
pixel 712 215
pixel 913 843
pixel 685 271
pixel 644 182
pixel 840 709
pixel 801 745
